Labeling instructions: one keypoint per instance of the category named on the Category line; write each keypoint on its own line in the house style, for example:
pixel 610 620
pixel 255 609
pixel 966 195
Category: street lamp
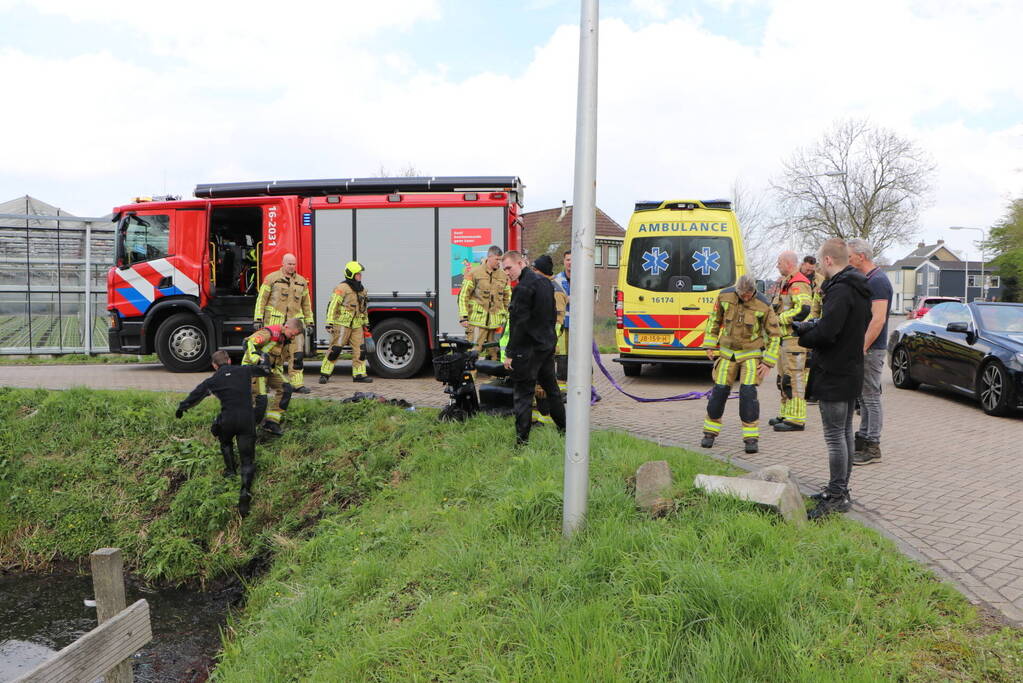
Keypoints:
pixel 966 264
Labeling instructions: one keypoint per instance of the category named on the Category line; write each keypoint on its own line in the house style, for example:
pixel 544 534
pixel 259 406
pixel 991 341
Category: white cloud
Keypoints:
pixel 683 112
pixel 656 9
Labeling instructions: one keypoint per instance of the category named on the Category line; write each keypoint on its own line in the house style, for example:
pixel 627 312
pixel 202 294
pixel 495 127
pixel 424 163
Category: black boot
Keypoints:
pixel 303 390
pixel 243 503
pixel 784 426
pixel 752 445
pixel 272 428
pixel 230 467
pixel 833 504
pixel 324 379
pixel 363 379
pixel 775 420
pixel 708 440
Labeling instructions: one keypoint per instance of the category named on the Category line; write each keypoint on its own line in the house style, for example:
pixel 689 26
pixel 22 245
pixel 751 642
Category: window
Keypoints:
pixel 612 255
pixel 919 278
pixel 681 264
pixel 898 277
pixel 597 254
pixel 948 312
pixel 993 282
pixel 971 280
pixel 143 238
pixel 596 293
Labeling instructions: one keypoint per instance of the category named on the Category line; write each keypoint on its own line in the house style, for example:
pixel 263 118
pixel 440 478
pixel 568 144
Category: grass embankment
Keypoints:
pixel 460 573
pixel 77 359
pixel 81 470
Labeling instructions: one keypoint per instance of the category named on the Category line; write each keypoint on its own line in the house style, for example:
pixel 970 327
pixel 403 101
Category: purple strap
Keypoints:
pixel 681 397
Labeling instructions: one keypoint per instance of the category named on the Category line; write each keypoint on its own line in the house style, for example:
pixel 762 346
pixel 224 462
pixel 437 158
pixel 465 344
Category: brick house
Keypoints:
pixel 550 231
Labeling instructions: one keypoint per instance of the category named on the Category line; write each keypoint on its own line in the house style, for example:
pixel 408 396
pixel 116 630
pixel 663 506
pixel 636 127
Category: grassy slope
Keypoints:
pixel 77 359
pixel 80 470
pixel 459 573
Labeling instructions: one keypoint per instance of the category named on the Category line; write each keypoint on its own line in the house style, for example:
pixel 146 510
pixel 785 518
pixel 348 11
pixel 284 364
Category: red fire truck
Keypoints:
pixel 187 271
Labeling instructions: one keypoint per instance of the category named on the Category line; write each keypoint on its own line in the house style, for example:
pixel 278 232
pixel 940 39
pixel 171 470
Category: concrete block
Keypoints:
pixel 784 498
pixel 653 482
pixel 779 474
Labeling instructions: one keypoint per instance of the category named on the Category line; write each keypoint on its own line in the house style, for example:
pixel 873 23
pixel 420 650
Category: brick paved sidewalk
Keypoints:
pixel 948 487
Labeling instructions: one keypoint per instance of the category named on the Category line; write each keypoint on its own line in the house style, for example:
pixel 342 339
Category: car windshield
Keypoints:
pixel 945 312
pixel 681 264
pixel 1001 318
pixel 928 303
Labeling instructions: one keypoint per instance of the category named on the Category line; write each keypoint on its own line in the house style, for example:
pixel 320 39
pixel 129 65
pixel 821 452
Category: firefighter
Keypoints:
pixel 284 295
pixel 742 339
pixel 544 265
pixel 483 303
pixel 272 347
pixel 809 268
pixel 793 303
pixel 346 321
pixel 236 420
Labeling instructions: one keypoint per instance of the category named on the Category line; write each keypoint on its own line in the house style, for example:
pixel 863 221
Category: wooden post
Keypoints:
pixel 108 585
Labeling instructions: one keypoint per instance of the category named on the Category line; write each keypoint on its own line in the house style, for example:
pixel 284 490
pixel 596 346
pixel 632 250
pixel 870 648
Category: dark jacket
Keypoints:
pixel 837 337
pixel 232 384
pixel 531 315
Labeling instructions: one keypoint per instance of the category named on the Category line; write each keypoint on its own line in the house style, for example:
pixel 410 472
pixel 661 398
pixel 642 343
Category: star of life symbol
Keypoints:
pixel 706 261
pixel 655 261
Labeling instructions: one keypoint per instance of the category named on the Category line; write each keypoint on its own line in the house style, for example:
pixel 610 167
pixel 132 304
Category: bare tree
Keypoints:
pixel 409 170
pixel 760 230
pixel 857 180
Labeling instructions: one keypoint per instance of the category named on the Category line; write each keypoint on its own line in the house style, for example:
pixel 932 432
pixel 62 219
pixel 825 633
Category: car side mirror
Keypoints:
pixel 962 328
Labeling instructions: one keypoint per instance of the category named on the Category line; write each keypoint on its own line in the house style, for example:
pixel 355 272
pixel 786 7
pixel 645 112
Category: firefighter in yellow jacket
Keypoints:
pixel 283 295
pixel 483 303
pixel 346 319
pixel 272 346
pixel 793 302
pixel 742 338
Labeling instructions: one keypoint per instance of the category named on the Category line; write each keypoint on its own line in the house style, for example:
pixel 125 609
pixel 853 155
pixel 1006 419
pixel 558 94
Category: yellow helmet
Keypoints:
pixel 351 268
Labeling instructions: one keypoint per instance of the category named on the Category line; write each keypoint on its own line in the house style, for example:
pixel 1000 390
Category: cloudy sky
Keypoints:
pixel 108 99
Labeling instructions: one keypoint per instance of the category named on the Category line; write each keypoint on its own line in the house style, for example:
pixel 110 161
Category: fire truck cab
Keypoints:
pixel 187 272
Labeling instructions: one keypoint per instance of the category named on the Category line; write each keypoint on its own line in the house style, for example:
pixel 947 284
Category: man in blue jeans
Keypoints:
pixel 875 344
pixel 836 340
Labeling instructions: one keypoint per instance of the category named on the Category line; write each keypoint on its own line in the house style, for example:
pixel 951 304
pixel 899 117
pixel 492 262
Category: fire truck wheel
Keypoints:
pixel 400 348
pixel 182 344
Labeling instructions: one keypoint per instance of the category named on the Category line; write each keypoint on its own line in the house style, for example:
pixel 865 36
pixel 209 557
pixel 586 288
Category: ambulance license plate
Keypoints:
pixel 660 339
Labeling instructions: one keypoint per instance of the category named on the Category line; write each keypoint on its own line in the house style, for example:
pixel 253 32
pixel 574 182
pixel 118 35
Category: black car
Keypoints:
pixel 975 349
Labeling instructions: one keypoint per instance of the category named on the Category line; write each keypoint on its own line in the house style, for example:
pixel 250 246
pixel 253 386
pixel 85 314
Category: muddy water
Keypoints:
pixel 42 614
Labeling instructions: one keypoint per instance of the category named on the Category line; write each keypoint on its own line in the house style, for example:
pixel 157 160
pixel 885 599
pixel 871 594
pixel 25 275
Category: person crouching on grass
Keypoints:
pixel 836 340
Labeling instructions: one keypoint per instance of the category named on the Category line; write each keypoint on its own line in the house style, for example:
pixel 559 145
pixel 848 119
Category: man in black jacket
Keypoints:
pixel 837 342
pixel 531 340
pixel 232 384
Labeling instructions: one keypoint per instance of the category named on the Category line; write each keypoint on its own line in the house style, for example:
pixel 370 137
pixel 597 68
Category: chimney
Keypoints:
pixel 564 210
pixel 941 241
pixel 920 245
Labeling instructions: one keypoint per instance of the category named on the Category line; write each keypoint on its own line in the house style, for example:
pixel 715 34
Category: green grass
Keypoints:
pixel 460 573
pixel 82 469
pixel 407 550
pixel 78 359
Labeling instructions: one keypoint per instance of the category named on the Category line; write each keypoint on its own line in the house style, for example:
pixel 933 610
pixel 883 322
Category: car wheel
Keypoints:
pixel 400 348
pixel 995 391
pixel 182 344
pixel 900 370
pixel 632 369
pixel 452 414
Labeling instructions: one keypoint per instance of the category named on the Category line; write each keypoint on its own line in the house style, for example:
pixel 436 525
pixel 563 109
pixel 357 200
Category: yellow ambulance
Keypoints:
pixel 678 254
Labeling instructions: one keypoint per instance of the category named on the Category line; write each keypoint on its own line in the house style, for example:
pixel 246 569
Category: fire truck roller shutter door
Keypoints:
pixel 463 230
pixel 333 240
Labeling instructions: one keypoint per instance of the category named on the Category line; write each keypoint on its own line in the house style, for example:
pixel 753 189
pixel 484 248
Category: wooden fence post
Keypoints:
pixel 108 585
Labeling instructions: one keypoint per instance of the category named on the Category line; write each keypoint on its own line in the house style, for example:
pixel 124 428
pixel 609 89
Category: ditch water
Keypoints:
pixel 40 614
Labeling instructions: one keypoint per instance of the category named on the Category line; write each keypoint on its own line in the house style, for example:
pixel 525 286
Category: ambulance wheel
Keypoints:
pixel 400 348
pixel 632 369
pixel 182 344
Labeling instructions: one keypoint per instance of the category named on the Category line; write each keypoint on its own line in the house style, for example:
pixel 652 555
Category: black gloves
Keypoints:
pixel 802 327
pixel 179 413
pixel 310 331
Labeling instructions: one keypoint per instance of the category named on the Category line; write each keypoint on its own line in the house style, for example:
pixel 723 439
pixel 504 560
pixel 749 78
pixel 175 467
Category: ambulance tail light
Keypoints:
pixel 619 309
